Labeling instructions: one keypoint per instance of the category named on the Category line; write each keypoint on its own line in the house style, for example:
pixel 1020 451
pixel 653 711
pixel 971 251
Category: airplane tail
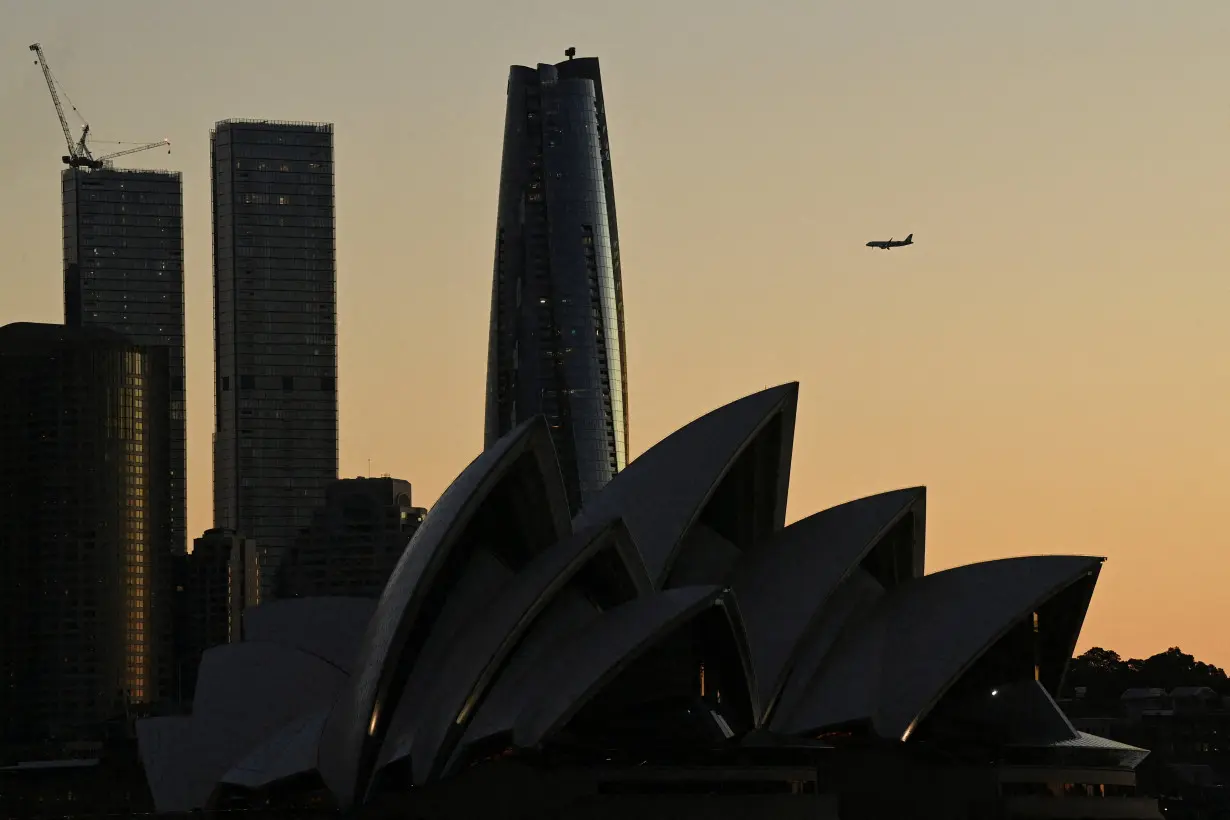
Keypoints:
pixel 909 240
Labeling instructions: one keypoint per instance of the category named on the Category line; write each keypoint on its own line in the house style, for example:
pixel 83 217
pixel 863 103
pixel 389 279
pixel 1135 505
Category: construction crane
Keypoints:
pixel 142 147
pixel 79 155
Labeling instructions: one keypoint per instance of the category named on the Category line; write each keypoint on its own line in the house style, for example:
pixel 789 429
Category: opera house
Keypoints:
pixel 672 651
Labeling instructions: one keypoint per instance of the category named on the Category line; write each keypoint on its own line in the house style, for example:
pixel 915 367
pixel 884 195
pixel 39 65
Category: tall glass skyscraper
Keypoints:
pixel 557 316
pixel 275 330
pixel 124 270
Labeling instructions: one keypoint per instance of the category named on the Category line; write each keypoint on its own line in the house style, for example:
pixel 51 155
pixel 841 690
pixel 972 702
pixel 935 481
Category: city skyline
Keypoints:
pixel 1053 355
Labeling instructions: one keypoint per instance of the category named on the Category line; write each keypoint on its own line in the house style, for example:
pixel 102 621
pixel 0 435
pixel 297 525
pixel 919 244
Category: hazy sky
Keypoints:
pixel 1050 358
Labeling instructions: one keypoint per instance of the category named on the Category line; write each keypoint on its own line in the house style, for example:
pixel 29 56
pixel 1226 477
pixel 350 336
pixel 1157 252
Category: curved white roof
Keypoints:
pixel 290 751
pixel 851 603
pixel 237 679
pixel 525 455
pixel 501 623
pixel 482 582
pixel 703 558
pixel 568 614
pixel 923 636
pixel 462 679
pixel 783 584
pixel 661 493
pixel 328 627
pixel 168 749
pixel 580 667
pixel 245 692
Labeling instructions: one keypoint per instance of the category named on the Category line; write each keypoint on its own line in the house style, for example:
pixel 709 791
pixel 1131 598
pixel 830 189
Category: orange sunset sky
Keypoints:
pixel 1050 358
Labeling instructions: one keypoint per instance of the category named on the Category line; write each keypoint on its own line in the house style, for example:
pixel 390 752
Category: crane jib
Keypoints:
pixel 79 155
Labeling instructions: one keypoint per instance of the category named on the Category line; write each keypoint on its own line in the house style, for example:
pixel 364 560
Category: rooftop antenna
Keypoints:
pixel 570 52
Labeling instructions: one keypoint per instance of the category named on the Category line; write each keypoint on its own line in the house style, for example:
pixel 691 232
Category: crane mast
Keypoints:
pixel 79 155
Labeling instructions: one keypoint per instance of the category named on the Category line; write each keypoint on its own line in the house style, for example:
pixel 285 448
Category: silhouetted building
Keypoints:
pixel 214 584
pixel 557 318
pixel 355 540
pixel 243 583
pixel 124 270
pixel 275 333
pixel 84 615
pixel 208 588
pixel 1186 727
pixel 107 783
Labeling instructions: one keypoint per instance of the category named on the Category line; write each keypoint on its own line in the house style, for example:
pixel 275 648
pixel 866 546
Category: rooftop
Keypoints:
pixel 288 125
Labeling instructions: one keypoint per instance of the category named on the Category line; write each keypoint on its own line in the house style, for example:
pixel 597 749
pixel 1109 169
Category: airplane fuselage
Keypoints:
pixel 890 244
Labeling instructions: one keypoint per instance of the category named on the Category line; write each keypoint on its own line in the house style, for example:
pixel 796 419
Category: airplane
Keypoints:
pixel 890 244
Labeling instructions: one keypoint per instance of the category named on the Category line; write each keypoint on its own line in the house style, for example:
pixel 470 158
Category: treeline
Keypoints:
pixel 1105 675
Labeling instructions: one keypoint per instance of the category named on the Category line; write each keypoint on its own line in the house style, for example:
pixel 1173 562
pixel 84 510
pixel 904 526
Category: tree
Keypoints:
pixel 1105 675
pixel 1101 672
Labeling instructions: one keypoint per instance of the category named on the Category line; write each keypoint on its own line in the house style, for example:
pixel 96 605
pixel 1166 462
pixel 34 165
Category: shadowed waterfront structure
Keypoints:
pixel 676 650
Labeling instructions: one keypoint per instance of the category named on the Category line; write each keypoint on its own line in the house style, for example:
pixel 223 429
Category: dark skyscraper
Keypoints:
pixel 275 330
pixel 124 270
pixel 557 316
pixel 84 608
pixel 355 541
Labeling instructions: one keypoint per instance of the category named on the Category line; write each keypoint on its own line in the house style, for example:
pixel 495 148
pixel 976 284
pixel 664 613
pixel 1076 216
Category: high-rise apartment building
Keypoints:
pixel 557 318
pixel 124 270
pixel 84 593
pixel 275 329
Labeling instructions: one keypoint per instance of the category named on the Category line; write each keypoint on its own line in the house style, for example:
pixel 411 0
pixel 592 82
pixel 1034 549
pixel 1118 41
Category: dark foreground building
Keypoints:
pixel 109 784
pixel 275 332
pixel 214 584
pixel 1187 727
pixel 124 270
pixel 355 540
pixel 83 552
pixel 557 317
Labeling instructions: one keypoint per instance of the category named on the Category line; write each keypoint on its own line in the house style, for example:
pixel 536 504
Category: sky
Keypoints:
pixel 1049 358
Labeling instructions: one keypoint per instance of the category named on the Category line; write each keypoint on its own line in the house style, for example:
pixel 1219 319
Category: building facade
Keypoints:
pixel 243 580
pixel 201 607
pixel 557 342
pixel 84 609
pixel 124 270
pixel 356 539
pixel 213 585
pixel 275 329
